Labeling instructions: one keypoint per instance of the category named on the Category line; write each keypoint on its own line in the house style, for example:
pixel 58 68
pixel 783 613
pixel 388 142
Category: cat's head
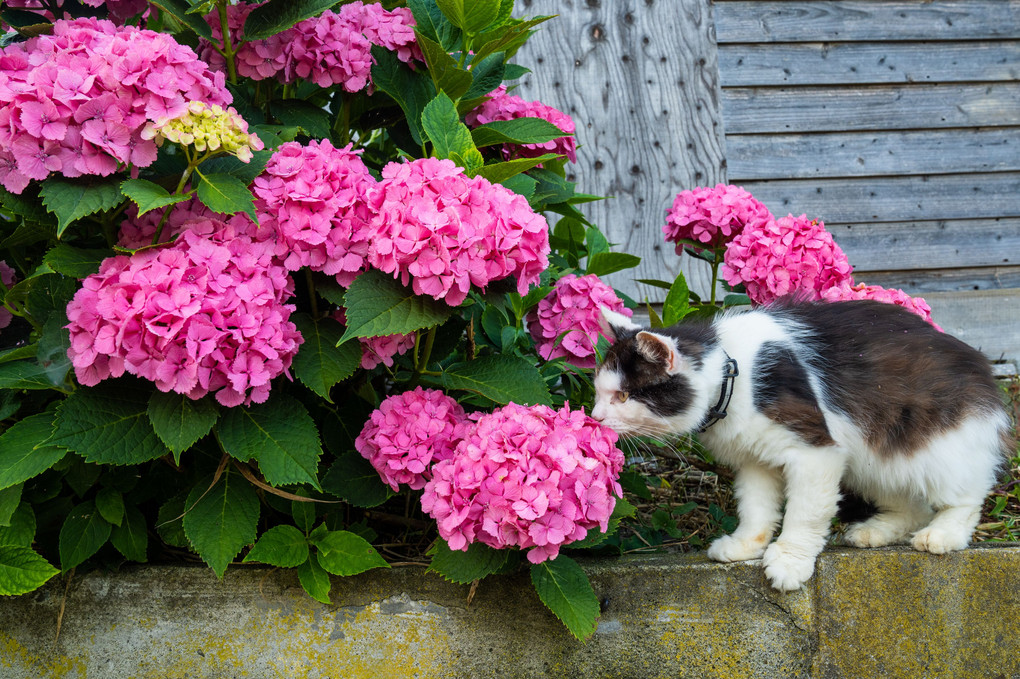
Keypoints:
pixel 653 382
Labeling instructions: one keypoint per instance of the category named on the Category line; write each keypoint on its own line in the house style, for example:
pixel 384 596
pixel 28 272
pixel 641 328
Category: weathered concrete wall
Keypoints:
pixel 874 613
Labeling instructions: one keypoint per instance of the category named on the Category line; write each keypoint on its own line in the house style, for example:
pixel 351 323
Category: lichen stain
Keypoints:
pixel 15 656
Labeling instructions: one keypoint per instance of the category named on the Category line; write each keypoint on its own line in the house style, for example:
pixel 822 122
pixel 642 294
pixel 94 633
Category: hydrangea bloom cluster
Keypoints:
pixel 382 349
pixel 334 48
pixel 791 255
pixel 408 433
pixel 207 127
pixel 880 294
pixel 503 106
pixel 315 198
pixel 533 478
pixel 8 278
pixel 75 102
pixel 444 232
pixel 567 322
pixel 713 216
pixel 203 315
pixel 136 232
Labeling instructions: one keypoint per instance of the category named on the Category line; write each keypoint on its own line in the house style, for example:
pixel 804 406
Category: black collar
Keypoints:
pixel 718 411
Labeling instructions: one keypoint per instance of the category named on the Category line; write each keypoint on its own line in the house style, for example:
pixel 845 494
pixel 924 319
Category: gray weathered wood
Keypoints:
pixel 924 281
pixel 987 320
pixel 853 20
pixel 879 107
pixel 859 154
pixel 894 199
pixel 745 65
pixel 641 83
pixel 939 244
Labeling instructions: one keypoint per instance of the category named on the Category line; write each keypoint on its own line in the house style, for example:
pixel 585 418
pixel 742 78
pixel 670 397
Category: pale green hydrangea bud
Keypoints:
pixel 207 127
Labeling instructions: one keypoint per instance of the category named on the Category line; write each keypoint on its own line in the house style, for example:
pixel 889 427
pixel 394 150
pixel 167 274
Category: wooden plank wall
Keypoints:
pixel 898 124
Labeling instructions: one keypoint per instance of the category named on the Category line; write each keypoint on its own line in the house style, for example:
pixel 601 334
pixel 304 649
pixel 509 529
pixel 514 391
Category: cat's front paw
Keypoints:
pixel 938 541
pixel 787 568
pixel 730 548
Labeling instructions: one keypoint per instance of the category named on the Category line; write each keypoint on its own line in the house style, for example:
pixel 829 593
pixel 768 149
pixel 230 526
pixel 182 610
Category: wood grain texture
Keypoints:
pixel 744 65
pixel 987 320
pixel 640 80
pixel 863 20
pixel 894 199
pixel 859 154
pixel 926 281
pixel 879 107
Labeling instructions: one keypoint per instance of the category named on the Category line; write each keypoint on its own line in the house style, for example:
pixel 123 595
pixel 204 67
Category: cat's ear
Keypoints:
pixel 615 325
pixel 661 350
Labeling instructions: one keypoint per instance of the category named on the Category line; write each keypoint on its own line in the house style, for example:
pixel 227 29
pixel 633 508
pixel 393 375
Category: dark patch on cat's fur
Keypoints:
pixel 783 394
pixel 897 377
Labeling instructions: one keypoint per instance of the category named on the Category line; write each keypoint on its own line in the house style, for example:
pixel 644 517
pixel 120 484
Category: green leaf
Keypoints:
pixel 149 195
pixel 465 567
pixel 277 16
pixel 552 188
pixel 18 353
pixel 486 75
pixel 179 421
pixel 521 184
pixel 110 504
pixel 604 263
pixel 412 90
pixel 446 74
pixel 500 172
pixel 10 498
pixel 353 479
pixel 24 375
pixel 225 194
pixel 677 303
pixel 565 589
pixel 83 533
pixel 444 128
pixel 314 579
pixel 501 378
pixel 430 22
pixel 130 538
pixel 595 537
pixel 22 570
pixel 280 434
pixel 378 304
pixel 71 199
pixel 76 262
pixel 517 131
pixel 21 530
pixel 169 523
pixel 179 10
pixel 595 242
pixel 108 424
pixel 309 117
pixel 44 295
pixel 471 16
pixel 320 363
pixel 282 546
pixel 51 354
pixel 231 165
pixel 303 512
pixel 25 451
pixel 344 553
pixel 27 204
pixel 222 519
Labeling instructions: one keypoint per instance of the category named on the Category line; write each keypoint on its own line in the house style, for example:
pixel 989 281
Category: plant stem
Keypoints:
pixel 228 46
pixel 715 276
pixel 311 293
pixel 179 191
pixel 422 364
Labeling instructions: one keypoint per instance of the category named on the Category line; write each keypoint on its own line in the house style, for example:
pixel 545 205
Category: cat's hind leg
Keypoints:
pixel 896 519
pixel 759 493
pixel 950 530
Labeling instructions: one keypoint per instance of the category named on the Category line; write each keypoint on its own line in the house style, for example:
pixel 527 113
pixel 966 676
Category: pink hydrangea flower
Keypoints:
pixel 205 314
pixel 890 296
pixel 567 322
pixel 8 278
pixel 379 350
pixel 408 433
pixel 315 198
pixel 75 102
pixel 791 255
pixel 444 232
pixel 713 216
pixel 533 478
pixel 503 106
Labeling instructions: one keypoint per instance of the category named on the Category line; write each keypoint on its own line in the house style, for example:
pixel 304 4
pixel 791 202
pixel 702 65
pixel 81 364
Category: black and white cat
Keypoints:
pixel 859 393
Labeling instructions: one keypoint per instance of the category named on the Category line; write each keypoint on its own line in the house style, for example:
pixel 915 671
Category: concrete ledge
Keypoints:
pixel 866 613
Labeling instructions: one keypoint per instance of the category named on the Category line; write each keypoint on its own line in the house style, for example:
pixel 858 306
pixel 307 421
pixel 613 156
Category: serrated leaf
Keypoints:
pixel 18 353
pixel 130 538
pixel 309 117
pixel 225 194
pixel 344 553
pixel 24 375
pixel 501 378
pixel 22 570
pixel 277 16
pixel 21 528
pixel 51 354
pixel 521 184
pixel 10 498
pixel 471 16
pixel 149 195
pixel 179 421
pixel 280 434
pixel 444 129
pixel 565 589
pixel 486 75
pixel 281 546
pixel 353 479
pixel 314 579
pixel 71 199
pixel 430 21
pixel 27 204
pixel 605 263
pixel 500 172
pixel 412 90
pixel 320 363
pixel 303 513
pixel 378 304
pixel 677 304
pixel 84 531
pixel 108 424
pixel 76 262
pixel 179 9
pixel 169 523
pixel 465 567
pixel 110 504
pixel 25 452
pixel 221 520
pixel 235 167
pixel 446 74
pixel 517 131
pixel 43 294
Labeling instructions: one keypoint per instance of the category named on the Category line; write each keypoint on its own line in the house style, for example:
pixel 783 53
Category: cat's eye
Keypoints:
pixel 622 396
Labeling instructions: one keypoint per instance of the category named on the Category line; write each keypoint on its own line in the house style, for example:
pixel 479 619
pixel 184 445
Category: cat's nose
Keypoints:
pixel 598 414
